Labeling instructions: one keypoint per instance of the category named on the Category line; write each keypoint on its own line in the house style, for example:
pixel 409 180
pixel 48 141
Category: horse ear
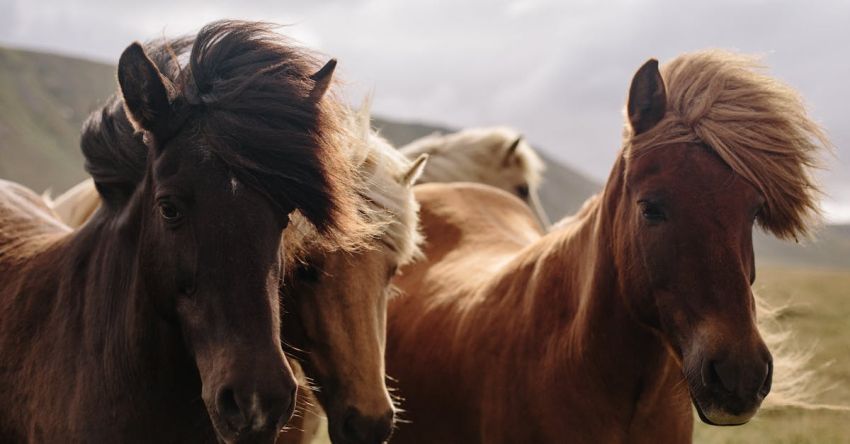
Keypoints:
pixel 647 98
pixel 416 168
pixel 323 79
pixel 146 93
pixel 511 151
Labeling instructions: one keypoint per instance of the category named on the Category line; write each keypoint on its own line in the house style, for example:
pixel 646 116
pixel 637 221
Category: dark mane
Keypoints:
pixel 249 93
pixel 114 152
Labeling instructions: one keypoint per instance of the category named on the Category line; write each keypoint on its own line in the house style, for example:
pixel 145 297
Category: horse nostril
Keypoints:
pixel 362 429
pixel 721 373
pixel 385 427
pixel 768 379
pixel 229 410
pixel 709 374
pixel 351 427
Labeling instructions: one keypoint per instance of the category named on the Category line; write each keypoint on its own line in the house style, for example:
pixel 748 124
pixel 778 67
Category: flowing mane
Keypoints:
pixel 713 97
pixel 242 78
pixel 382 201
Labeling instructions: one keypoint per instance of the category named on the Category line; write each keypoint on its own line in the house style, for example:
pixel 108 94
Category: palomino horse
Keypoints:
pixel 608 328
pixel 335 301
pixel 498 157
pixel 158 320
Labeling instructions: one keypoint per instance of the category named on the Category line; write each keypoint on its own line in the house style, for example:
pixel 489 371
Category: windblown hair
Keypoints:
pixel 248 93
pixel 114 151
pixel 474 155
pixel 755 123
pixel 384 202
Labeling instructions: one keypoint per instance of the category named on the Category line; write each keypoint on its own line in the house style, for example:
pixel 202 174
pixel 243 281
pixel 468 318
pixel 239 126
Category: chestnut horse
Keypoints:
pixel 498 157
pixel 158 320
pixel 334 317
pixel 608 328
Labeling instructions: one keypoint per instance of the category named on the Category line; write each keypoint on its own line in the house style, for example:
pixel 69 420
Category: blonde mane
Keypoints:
pixel 385 202
pixel 714 98
pixel 474 155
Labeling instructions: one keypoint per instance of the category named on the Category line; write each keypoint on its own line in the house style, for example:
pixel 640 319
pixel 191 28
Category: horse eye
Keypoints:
pixel 169 212
pixel 522 191
pixel 652 212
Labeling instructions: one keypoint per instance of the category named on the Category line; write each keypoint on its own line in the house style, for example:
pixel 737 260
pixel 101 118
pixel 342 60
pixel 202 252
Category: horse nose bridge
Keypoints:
pixel 373 402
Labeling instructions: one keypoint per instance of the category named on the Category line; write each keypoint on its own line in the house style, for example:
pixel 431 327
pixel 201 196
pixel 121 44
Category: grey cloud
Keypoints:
pixel 556 70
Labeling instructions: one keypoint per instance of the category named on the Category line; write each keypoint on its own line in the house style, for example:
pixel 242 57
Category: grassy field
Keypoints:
pixel 819 318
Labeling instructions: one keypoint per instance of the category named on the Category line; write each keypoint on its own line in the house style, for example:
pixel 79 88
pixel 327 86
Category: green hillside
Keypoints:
pixel 44 99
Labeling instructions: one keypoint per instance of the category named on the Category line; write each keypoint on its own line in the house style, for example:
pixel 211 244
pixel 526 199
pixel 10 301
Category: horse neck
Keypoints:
pixel 564 302
pixel 103 290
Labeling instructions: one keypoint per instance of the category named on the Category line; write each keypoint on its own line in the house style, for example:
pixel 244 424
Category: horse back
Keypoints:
pixel 473 222
pixel 25 213
pixel 471 232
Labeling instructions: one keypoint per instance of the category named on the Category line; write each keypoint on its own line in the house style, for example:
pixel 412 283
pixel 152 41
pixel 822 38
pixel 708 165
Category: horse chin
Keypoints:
pixel 719 417
pixel 223 436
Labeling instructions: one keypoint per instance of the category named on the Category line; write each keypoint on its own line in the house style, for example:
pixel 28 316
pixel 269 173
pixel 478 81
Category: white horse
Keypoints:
pixel 498 156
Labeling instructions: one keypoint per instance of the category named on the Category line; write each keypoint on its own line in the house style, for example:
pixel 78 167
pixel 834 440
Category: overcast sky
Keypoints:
pixel 556 70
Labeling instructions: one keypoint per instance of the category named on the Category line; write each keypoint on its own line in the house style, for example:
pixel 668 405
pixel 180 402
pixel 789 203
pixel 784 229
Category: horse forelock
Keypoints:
pixel 757 125
pixel 384 204
pixel 248 92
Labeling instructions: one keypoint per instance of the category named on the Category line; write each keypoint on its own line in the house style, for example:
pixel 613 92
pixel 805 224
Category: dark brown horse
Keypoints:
pixel 158 320
pixel 334 300
pixel 611 326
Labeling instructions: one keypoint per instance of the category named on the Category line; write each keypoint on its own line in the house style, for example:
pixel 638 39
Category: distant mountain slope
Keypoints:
pixel 44 99
pixel 830 250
